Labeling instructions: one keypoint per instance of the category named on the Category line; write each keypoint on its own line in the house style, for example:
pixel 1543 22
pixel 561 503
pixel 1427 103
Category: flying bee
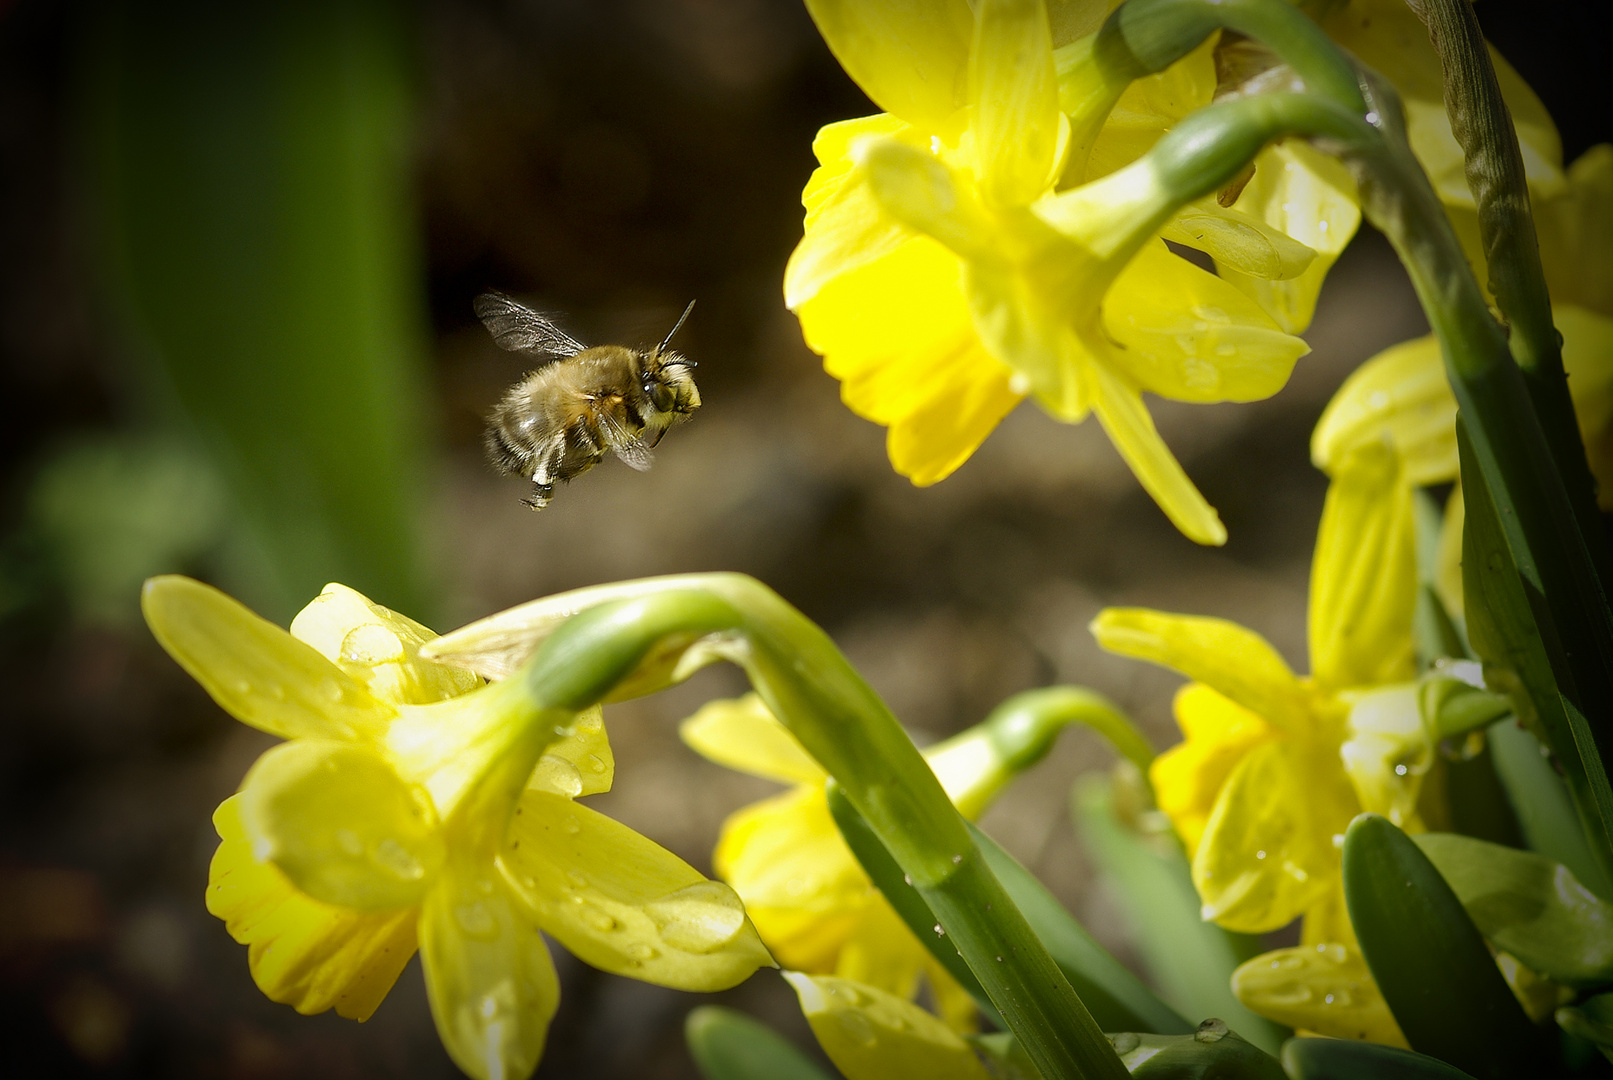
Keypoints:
pixel 558 421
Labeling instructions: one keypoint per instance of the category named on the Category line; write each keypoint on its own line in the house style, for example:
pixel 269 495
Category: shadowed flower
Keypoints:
pixel 413 805
pixel 943 276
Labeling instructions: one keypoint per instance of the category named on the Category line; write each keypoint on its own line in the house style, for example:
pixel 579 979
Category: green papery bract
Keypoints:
pixel 341 824
pixel 1528 906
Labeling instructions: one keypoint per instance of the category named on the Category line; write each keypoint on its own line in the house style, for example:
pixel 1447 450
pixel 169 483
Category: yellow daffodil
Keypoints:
pixel 943 276
pixel 413 805
pixel 812 903
pixel 872 1034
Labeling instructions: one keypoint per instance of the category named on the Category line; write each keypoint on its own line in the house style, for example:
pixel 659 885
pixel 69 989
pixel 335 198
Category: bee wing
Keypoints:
pixel 623 443
pixel 518 328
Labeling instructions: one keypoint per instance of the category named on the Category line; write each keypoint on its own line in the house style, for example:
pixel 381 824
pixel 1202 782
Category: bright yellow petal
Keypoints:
pixel 1327 921
pixel 305 954
pixel 845 226
pixel 883 952
pixel 742 734
pixel 1188 335
pixel 1364 574
pixel 1237 663
pixel 1387 754
pixel 1268 851
pixel 1121 412
pixel 341 825
pixel 1149 107
pixel 1322 988
pixel 1307 196
pixel 1188 777
pixel 897 333
pixel 910 56
pixel 257 672
pixel 800 883
pixel 1399 398
pixel 1016 126
pixel 377 647
pixel 623 903
pixel 489 978
pixel 953 1004
pixel 1036 339
pixel 580 763
pixel 872 1035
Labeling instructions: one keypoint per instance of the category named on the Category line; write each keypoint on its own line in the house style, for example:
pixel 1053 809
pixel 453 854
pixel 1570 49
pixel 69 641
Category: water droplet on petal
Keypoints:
pixel 476 919
pixel 576 880
pixel 371 644
pixel 554 773
pixel 699 918
pixel 939 932
pixel 641 952
pixel 602 921
pixel 393 858
pixel 858 1026
pixel 571 825
pixel 595 763
pixel 349 841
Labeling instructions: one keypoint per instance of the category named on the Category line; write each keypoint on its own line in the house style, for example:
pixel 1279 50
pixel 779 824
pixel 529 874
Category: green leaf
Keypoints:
pixel 1345 1059
pixel 1191 960
pixel 1429 960
pixel 1591 1019
pixel 728 1045
pixel 1213 1051
pixel 1543 806
pixel 1529 906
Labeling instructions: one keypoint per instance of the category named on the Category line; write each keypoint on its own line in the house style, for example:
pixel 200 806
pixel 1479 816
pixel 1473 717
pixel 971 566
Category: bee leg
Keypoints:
pixel 541 494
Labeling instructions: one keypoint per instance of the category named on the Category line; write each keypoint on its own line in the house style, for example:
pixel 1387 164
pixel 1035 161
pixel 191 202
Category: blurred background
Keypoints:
pixel 238 249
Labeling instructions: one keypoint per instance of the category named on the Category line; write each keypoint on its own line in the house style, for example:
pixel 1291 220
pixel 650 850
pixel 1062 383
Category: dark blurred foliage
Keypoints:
pixel 606 160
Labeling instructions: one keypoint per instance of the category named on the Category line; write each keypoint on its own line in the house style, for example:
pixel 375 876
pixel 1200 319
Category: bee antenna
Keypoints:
pixel 668 339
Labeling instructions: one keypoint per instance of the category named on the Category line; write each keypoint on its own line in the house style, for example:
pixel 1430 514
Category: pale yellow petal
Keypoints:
pixel 1588 358
pixel 1238 241
pixel 1237 663
pixel 1016 125
pixel 1149 107
pixel 1188 777
pixel 623 903
pixel 1268 850
pixel 883 952
pixel 910 56
pixel 1448 568
pixel 303 953
pixel 873 1035
pixel 1576 233
pixel 492 986
pixel 1188 335
pixel 1364 574
pixel 1307 196
pixel 1399 398
pixel 341 825
pixel 742 734
pixel 845 226
pixel 377 647
pixel 257 672
pixel 1322 988
pixel 1327 921
pixel 1387 753
pixel 803 888
pixel 1034 339
pixel 1121 412
pixel 580 763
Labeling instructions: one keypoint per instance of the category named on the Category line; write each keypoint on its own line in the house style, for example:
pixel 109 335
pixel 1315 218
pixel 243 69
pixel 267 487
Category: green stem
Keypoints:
pixel 842 723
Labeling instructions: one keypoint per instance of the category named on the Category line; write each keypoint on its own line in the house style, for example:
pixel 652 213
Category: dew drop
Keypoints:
pixel 393 858
pixel 699 918
pixel 476 919
pixel 641 952
pixel 1260 854
pixel 371 644
pixel 858 1026
pixel 956 859
pixel 1400 770
pixel 907 879
pixel 576 880
pixel 602 921
pixel 595 763
pixel 939 932
pixel 571 825
pixel 349 842
pixel 1125 1042
pixel 554 773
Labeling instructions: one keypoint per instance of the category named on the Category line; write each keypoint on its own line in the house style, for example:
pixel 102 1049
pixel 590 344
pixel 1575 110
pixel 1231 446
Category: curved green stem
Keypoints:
pixel 675 625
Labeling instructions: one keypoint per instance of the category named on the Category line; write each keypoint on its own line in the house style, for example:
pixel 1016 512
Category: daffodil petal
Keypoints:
pixel 742 734
pixel 1016 126
pixel 1188 777
pixel 580 763
pixel 1235 662
pixel 1448 558
pixel 882 952
pixel 1327 921
pixel 802 886
pixel 1149 107
pixel 1322 988
pixel 916 188
pixel 623 903
pixel 1388 753
pixel 845 225
pixel 1576 232
pixel 1267 852
pixel 873 1035
pixel 1188 335
pixel 910 56
pixel 342 826
pixel 303 953
pixel 489 978
pixel 1238 241
pixel 377 647
pixel 897 333
pixel 1032 339
pixel 1308 197
pixel 1364 574
pixel 1400 398
pixel 257 672
pixel 1121 412
pixel 1588 358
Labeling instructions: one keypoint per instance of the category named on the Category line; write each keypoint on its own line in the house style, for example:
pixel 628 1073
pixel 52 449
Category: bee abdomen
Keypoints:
pixel 507 455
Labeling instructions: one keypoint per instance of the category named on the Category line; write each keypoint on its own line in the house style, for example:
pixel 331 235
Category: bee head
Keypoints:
pixel 669 384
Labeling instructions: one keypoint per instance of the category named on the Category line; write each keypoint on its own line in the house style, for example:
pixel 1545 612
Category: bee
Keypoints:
pixel 561 418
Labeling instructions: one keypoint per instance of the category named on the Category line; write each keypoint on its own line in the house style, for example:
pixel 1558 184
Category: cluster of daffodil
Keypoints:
pixel 1004 230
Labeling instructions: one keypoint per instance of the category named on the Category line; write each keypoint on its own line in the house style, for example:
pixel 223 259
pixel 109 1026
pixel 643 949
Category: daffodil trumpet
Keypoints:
pixel 651 634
